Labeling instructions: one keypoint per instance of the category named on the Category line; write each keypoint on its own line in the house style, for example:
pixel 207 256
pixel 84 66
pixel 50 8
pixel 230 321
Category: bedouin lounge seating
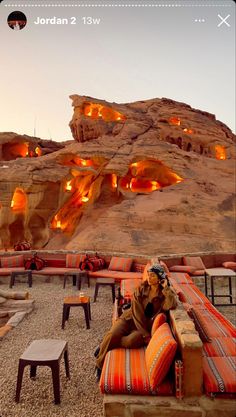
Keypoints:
pixel 217 334
pixel 127 268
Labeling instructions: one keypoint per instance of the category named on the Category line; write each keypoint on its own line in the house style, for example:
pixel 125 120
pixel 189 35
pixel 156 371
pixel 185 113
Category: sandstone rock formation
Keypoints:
pixel 150 177
pixel 13 146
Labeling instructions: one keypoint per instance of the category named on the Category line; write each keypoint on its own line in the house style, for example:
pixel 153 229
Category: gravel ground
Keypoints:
pixel 80 396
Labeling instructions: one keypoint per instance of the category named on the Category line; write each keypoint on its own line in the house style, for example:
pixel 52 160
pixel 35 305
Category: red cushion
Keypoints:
pixel 182 268
pixel 158 321
pixel 198 272
pixel 208 325
pixel 127 287
pixel 180 278
pixel 73 260
pixel 117 275
pixel 159 355
pixel 8 271
pixel 120 264
pixel 193 295
pixel 219 374
pixel 195 261
pixel 222 319
pixel 230 265
pixel 220 346
pixel 124 372
pixel 55 263
pixel 12 261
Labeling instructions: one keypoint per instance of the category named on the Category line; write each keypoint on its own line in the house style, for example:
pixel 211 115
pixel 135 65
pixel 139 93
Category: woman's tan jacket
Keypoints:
pixel 164 300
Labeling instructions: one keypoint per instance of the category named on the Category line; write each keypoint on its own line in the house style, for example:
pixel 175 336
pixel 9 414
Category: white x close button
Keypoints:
pixel 223 20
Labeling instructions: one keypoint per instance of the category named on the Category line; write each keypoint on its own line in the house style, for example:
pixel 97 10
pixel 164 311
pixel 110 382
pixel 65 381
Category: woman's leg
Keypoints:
pixel 112 339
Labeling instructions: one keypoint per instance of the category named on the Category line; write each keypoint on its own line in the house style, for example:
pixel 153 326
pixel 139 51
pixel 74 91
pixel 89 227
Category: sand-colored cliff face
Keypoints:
pixel 148 177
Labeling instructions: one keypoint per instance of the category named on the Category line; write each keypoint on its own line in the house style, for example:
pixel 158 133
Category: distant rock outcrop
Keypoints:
pixel 150 177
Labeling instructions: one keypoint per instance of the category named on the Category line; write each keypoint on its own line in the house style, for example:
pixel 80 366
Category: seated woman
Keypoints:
pixel 133 328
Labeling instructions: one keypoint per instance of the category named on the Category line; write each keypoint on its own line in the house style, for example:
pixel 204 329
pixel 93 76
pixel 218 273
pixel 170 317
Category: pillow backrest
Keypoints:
pixel 120 264
pixel 12 261
pixel 195 261
pixel 158 321
pixel 73 260
pixel 159 355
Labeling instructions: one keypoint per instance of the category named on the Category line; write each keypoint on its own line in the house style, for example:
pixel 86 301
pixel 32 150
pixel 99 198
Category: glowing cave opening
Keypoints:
pixel 98 111
pixel 220 152
pixel 19 200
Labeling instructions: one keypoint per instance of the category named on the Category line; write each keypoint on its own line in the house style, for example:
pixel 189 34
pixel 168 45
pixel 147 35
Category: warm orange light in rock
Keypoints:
pixel 84 199
pixel 58 224
pixel 220 152
pixel 155 185
pixel 190 131
pixel 19 200
pixel 142 185
pixel 96 111
pixel 68 186
pixel 175 121
pixel 38 151
pixel 114 180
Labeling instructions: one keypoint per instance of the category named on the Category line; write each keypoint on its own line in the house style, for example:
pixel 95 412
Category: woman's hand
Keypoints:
pixel 164 282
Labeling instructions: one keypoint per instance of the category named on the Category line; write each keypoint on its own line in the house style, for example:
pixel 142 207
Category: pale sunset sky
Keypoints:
pixel 143 50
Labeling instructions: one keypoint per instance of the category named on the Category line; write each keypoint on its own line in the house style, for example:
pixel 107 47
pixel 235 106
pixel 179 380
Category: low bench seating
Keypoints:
pixel 196 265
pixel 129 269
pixel 141 371
pixel 217 334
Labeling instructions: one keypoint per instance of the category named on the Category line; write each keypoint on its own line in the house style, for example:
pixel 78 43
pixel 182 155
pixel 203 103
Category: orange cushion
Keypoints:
pixel 73 260
pixel 182 268
pixel 193 295
pixel 127 287
pixel 180 278
pixel 230 265
pixel 207 325
pixel 195 261
pixel 158 321
pixel 120 264
pixel 145 272
pixel 124 372
pixel 219 374
pixel 220 346
pixel 159 354
pixel 12 261
pixel 222 319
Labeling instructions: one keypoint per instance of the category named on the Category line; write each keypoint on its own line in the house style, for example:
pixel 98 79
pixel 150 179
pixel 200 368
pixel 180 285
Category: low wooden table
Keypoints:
pixel 77 277
pixel 44 352
pixel 14 274
pixel 214 273
pixel 76 301
pixel 101 282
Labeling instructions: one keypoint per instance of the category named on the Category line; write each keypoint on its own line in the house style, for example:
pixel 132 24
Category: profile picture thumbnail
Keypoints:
pixel 16 20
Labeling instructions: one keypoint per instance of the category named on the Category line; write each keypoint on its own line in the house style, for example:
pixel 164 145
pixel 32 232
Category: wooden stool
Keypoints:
pixel 44 352
pixel 77 277
pixel 14 274
pixel 76 301
pixel 103 282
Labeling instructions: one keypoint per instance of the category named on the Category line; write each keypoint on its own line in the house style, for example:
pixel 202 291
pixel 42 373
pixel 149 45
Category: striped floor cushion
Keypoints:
pixel 193 295
pixel 124 372
pixel 12 261
pixel 127 287
pixel 223 320
pixel 180 278
pixel 219 375
pixel 208 325
pixel 118 275
pixel 220 346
